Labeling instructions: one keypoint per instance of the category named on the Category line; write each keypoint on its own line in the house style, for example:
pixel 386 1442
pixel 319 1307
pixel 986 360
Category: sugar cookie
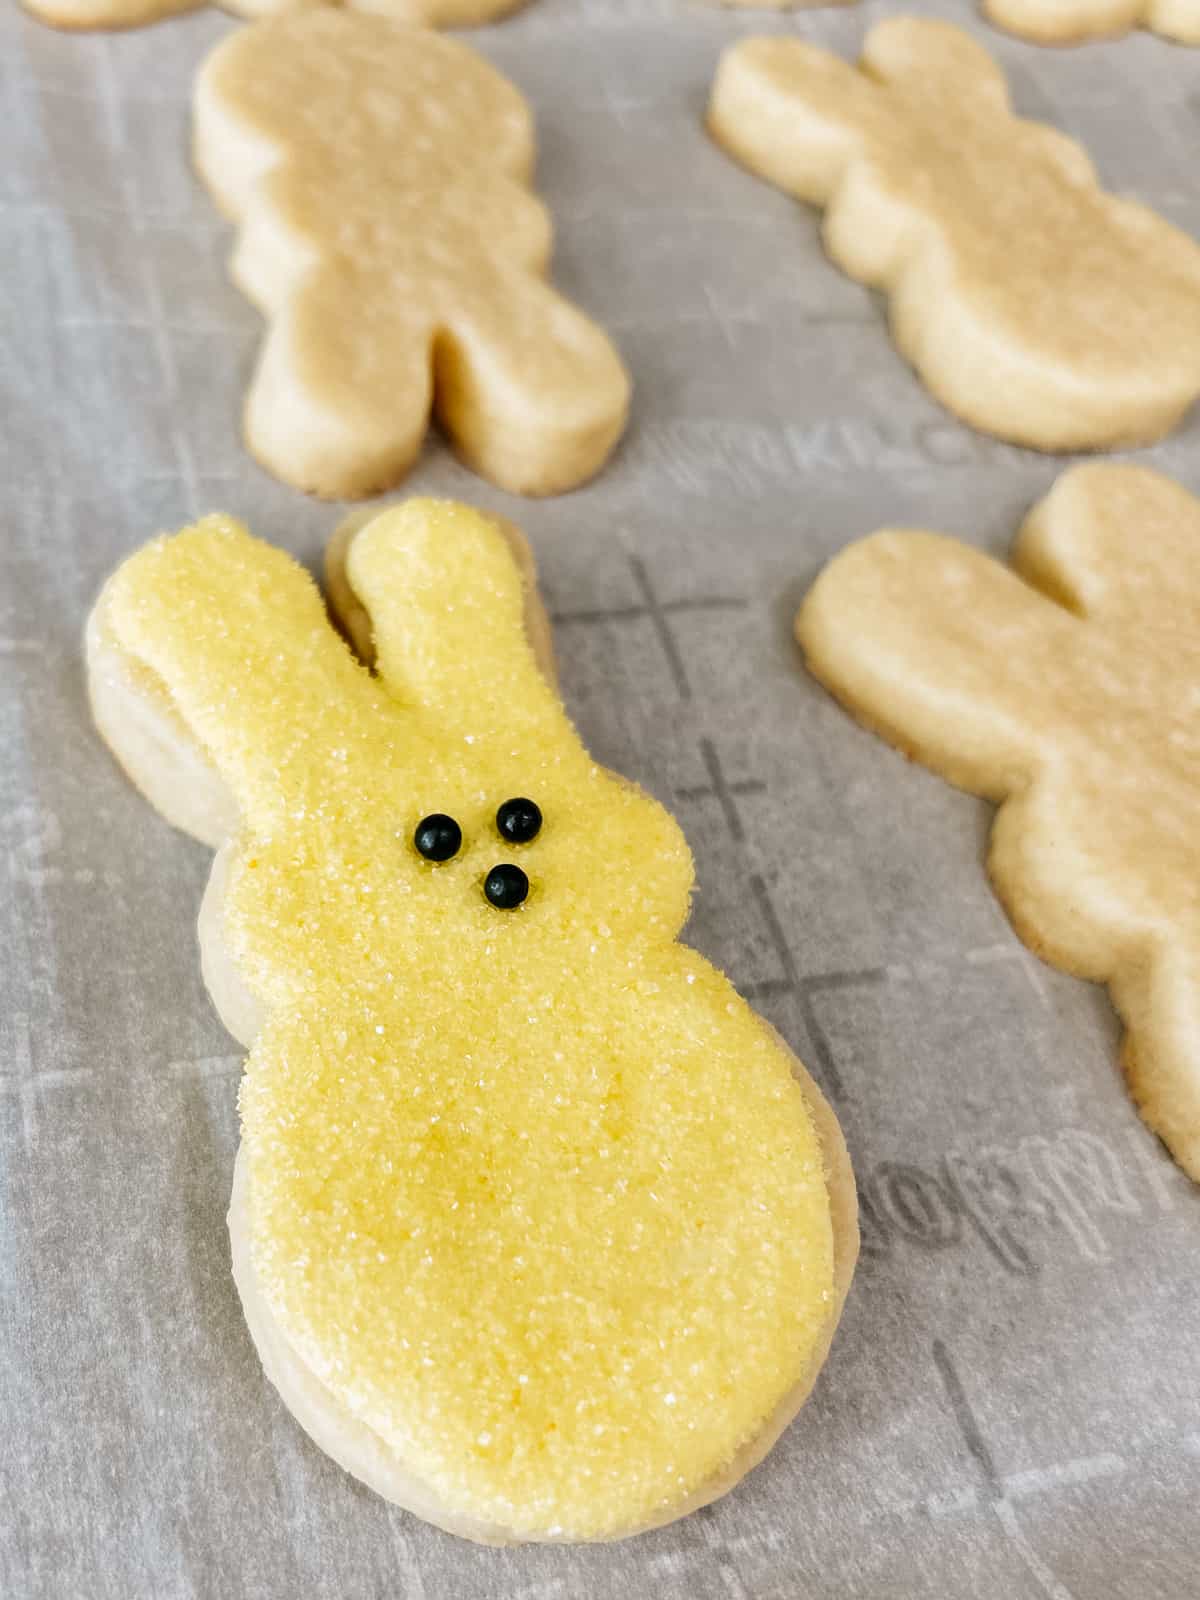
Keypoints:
pixel 1033 304
pixel 378 175
pixel 781 5
pixel 1067 693
pixel 132 13
pixel 1068 21
pixel 539 1229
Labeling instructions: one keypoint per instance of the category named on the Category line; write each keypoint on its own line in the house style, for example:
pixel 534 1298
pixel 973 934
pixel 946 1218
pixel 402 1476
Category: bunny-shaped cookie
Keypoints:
pixel 781 5
pixel 1030 302
pixel 132 13
pixel 379 176
pixel 1066 21
pixel 1069 693
pixel 538 1228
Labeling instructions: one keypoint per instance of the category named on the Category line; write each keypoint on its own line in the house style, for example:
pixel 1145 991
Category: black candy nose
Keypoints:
pixel 506 887
pixel 519 820
pixel 438 837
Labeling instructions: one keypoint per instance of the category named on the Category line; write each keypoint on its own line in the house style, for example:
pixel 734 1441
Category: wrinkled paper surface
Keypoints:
pixel 1011 1407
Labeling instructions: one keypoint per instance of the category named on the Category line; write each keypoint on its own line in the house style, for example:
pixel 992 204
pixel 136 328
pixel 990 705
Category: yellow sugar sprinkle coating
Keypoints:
pixel 533 1192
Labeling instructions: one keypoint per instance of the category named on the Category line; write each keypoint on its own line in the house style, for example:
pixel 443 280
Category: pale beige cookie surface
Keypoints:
pixel 781 5
pixel 379 176
pixel 1066 690
pixel 1033 304
pixel 538 1229
pixel 1070 21
pixel 132 13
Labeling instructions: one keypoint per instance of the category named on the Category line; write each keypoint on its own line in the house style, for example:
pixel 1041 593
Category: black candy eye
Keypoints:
pixel 519 821
pixel 438 837
pixel 506 887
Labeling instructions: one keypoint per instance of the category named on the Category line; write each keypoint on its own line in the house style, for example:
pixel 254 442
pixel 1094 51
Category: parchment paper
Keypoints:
pixel 1011 1406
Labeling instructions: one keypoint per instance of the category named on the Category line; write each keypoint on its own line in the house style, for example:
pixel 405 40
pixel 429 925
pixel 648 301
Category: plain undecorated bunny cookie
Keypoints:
pixel 1033 304
pixel 132 13
pixel 379 177
pixel 1067 691
pixel 538 1228
pixel 1067 21
pixel 780 5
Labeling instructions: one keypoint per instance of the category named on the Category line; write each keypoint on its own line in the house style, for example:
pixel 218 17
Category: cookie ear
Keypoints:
pixel 231 636
pixel 446 592
pixel 1117 541
pixel 943 650
pixel 793 113
pixel 934 58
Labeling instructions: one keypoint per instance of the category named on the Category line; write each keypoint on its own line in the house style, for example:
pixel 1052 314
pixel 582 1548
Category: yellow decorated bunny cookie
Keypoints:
pixel 379 177
pixel 1067 691
pixel 538 1228
pixel 1033 304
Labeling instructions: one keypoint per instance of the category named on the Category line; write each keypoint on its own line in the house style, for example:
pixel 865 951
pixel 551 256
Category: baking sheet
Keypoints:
pixel 1011 1405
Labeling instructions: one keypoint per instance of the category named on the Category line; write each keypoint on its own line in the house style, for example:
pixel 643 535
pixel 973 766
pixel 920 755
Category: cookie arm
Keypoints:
pixel 945 652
